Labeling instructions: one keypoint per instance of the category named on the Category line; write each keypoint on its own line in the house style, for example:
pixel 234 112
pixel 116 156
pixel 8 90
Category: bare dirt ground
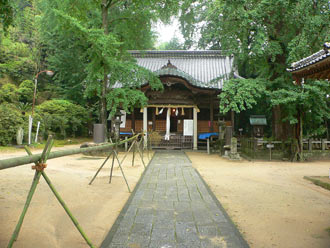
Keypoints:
pixel 46 224
pixel 270 202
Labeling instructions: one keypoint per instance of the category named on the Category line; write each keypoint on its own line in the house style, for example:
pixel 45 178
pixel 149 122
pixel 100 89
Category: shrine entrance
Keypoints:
pixel 187 106
pixel 174 124
pixel 167 130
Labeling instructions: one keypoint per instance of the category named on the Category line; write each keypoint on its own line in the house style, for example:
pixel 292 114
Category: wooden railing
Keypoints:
pixel 253 147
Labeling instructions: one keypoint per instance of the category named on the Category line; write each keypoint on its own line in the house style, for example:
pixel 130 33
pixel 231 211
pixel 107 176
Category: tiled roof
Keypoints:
pixel 204 69
pixel 310 60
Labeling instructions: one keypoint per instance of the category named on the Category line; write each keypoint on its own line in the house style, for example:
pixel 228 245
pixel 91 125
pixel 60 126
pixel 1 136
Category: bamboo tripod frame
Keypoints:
pixel 136 147
pixel 39 167
pixel 40 164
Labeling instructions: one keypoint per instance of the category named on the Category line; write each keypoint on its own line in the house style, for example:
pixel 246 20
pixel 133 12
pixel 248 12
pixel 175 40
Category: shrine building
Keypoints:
pixel 187 109
pixel 315 66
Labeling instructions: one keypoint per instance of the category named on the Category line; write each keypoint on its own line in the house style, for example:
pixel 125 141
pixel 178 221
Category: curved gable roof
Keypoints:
pixel 312 59
pixel 205 69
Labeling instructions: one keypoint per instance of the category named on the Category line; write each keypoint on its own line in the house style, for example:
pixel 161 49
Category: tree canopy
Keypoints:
pixel 100 37
pixel 86 44
pixel 264 35
pixel 6 13
pixel 173 44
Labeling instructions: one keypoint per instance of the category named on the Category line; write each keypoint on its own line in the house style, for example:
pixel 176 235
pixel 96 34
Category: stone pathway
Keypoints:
pixel 172 207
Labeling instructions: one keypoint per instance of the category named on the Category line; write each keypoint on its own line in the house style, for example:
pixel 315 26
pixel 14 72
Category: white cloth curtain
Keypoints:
pixel 168 124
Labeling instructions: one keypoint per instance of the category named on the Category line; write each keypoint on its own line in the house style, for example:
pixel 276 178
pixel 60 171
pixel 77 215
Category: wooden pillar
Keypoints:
pixel 154 119
pixel 211 116
pixel 323 144
pixel 310 145
pixel 133 120
pixel 145 124
pixel 195 129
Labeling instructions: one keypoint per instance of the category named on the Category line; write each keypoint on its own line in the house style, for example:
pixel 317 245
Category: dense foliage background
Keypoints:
pixel 265 36
pixel 85 43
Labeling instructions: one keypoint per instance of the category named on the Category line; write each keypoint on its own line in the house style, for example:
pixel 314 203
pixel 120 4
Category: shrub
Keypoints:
pixel 63 118
pixel 8 93
pixel 25 91
pixel 10 120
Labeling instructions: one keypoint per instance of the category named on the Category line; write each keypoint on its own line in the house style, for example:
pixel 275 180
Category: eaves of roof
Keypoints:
pixel 312 59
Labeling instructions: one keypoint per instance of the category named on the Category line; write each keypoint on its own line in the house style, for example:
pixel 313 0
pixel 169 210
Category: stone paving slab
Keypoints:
pixel 172 207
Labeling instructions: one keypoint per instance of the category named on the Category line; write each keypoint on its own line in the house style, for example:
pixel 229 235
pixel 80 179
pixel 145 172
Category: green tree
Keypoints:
pixel 25 91
pixel 16 61
pixel 6 13
pixel 10 120
pixel 8 93
pixel 264 35
pixel 100 36
pixel 20 48
pixel 240 94
pixel 173 44
pixel 63 118
pixel 308 105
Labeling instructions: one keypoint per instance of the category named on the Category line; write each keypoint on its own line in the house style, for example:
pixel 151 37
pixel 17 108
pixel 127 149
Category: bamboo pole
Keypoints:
pixel 133 157
pixel 112 165
pixel 148 148
pixel 122 171
pixel 13 162
pixel 74 220
pixel 33 187
pixel 128 152
pixel 100 169
pixel 139 151
pixel 115 154
pixel 38 173
pixel 26 206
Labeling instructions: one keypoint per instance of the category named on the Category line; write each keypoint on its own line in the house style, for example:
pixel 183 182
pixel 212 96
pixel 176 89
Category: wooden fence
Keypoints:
pixel 262 149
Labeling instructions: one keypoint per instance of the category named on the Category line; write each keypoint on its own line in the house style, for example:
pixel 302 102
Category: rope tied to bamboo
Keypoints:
pixel 39 166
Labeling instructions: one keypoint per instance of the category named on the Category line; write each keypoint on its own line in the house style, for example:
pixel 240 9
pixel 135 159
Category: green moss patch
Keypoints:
pixel 324 182
pixel 328 230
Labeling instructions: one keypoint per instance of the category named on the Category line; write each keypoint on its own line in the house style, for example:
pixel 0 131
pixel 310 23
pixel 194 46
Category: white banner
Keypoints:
pixel 168 124
pixel 188 127
pixel 123 119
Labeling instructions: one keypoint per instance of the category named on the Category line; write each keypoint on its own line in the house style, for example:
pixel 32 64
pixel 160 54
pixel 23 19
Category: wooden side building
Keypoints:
pixel 315 66
pixel 192 81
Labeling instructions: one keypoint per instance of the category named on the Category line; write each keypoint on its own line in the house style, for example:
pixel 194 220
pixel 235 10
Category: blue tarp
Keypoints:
pixel 125 133
pixel 207 135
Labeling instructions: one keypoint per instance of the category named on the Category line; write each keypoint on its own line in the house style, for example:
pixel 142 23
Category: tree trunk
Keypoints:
pixel 232 118
pixel 298 145
pixel 103 113
pixel 301 156
pixel 288 130
pixel 277 123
